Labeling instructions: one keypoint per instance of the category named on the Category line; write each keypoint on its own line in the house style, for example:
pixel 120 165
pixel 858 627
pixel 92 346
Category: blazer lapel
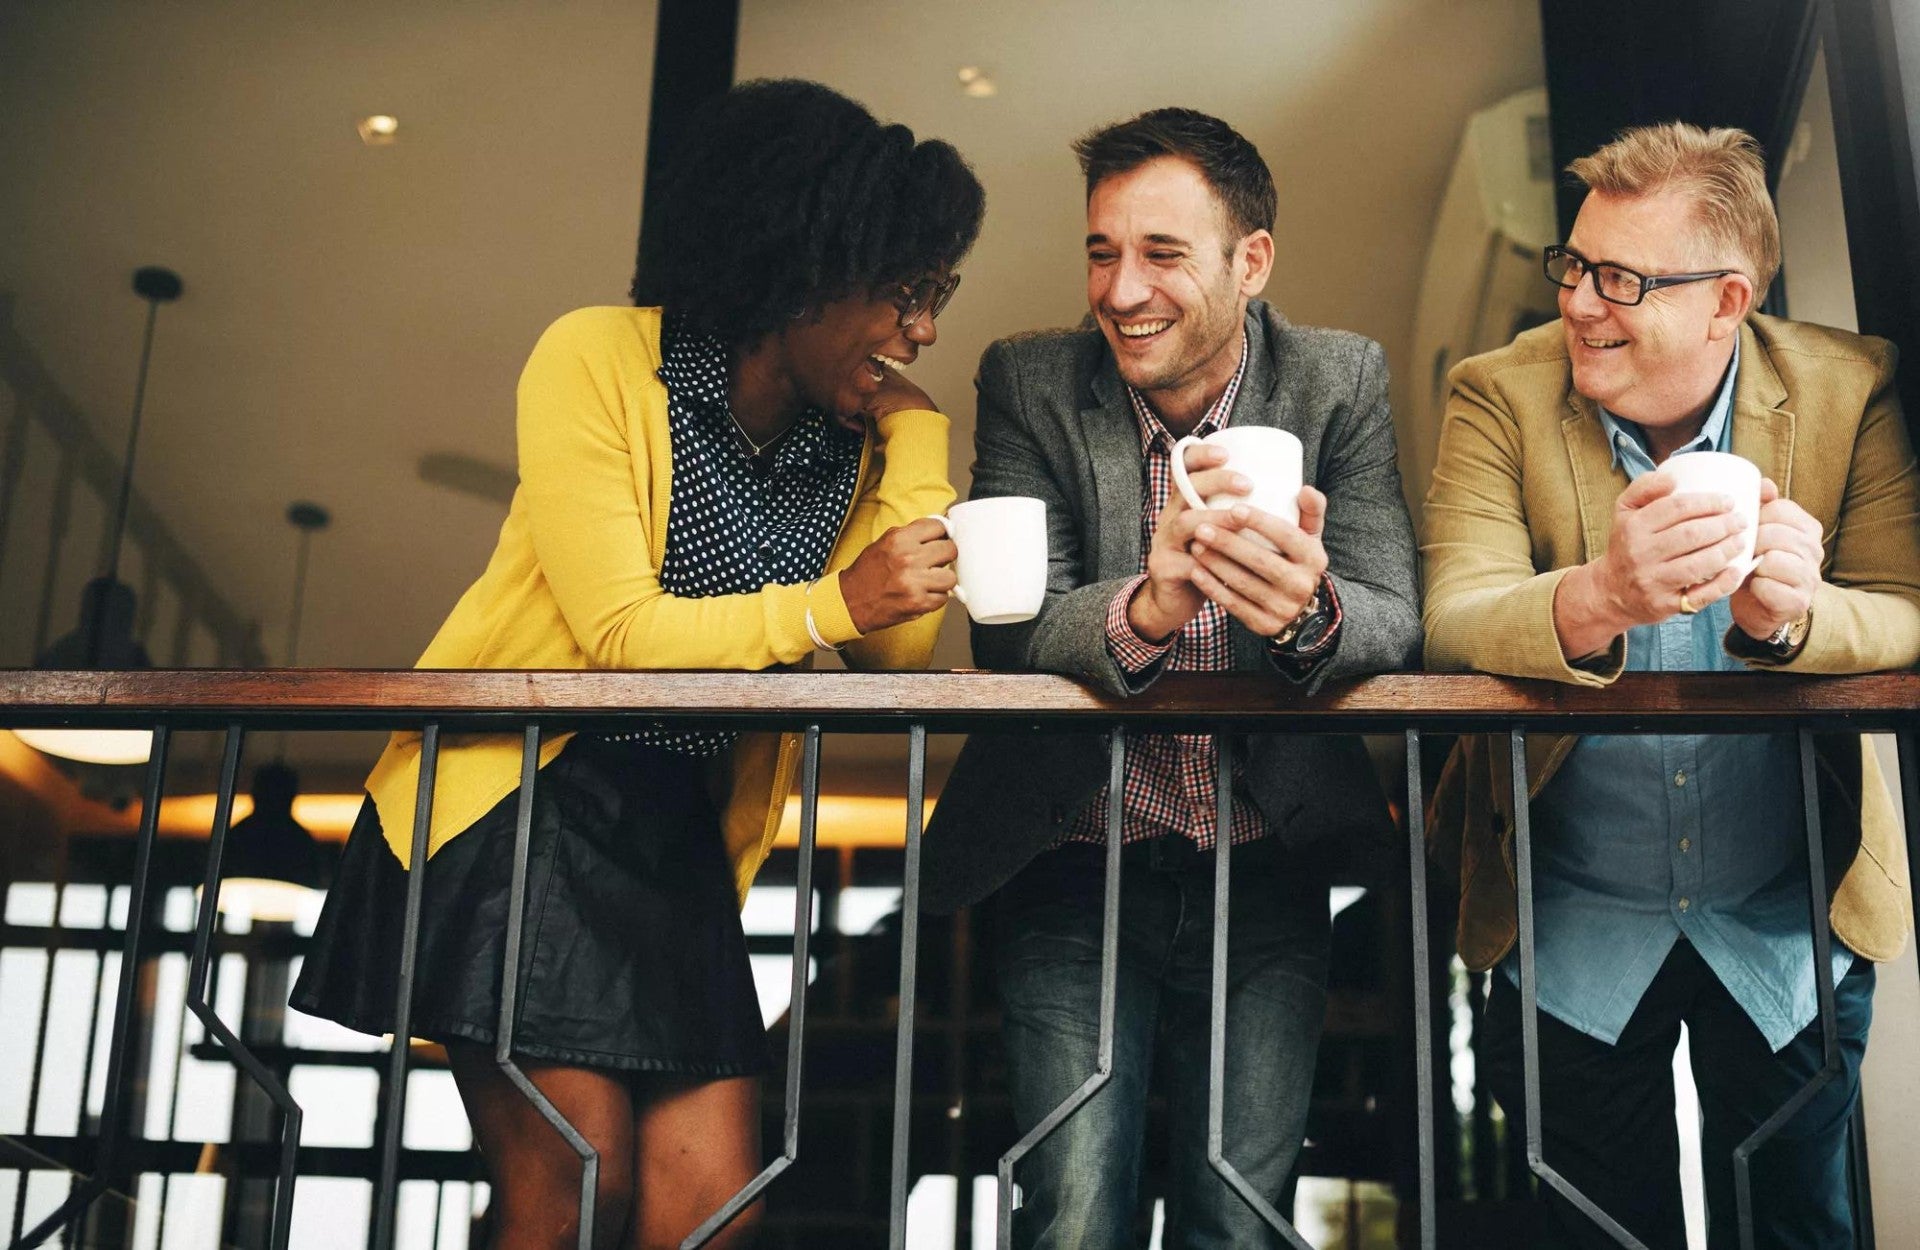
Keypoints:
pixel 1259 403
pixel 1111 443
pixel 1259 400
pixel 1762 430
pixel 1596 482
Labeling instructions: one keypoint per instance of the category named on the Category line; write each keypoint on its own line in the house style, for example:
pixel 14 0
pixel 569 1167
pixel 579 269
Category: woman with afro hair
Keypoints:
pixel 732 475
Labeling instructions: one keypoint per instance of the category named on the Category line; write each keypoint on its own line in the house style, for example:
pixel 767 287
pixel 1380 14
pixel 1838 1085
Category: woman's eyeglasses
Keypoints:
pixel 924 298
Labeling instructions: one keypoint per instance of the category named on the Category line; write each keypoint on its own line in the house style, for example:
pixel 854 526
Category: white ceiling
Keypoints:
pixel 348 308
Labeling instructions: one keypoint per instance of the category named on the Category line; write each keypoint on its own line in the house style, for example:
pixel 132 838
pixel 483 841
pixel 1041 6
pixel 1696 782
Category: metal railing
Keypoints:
pixel 532 703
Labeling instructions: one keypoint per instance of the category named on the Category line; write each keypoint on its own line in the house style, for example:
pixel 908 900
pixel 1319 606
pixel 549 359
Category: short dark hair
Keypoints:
pixel 1231 165
pixel 785 195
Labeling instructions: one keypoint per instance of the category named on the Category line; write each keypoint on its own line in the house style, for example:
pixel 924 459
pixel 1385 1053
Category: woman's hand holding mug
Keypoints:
pixel 900 576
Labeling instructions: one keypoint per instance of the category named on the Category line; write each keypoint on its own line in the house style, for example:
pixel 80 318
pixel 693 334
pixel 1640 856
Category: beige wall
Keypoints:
pixel 1357 106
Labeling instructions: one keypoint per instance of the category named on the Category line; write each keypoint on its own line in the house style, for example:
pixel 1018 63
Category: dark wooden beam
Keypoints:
pixel 1636 62
pixel 1874 144
pixel 1746 63
pixel 693 51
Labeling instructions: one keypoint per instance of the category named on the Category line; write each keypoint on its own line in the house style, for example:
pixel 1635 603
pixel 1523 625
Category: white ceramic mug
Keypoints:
pixel 1722 473
pixel 1270 458
pixel 1003 557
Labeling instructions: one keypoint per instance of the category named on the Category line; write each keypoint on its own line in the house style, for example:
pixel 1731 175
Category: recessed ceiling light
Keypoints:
pixel 975 82
pixel 379 129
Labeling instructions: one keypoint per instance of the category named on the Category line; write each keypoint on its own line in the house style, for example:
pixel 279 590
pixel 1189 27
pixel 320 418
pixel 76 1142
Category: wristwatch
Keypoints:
pixel 1790 637
pixel 1308 629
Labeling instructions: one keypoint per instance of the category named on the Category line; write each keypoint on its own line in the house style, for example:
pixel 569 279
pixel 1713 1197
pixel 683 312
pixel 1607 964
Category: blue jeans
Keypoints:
pixel 1080 1186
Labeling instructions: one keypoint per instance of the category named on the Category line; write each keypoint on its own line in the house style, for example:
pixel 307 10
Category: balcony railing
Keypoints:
pixel 531 704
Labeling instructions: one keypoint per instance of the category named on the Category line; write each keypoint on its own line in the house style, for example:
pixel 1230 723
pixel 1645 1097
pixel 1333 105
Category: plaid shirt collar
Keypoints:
pixel 1153 432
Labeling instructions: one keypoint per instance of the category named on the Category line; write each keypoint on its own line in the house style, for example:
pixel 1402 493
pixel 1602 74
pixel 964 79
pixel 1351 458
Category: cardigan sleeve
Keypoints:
pixel 906 481
pixel 587 401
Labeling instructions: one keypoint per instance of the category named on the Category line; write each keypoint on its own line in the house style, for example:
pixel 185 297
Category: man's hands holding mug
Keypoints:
pixel 1780 592
pixel 1201 554
pixel 1678 550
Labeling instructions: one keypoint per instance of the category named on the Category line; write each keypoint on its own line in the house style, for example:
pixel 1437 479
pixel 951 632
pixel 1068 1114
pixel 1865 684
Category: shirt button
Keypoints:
pixel 1680 778
pixel 1686 844
pixel 1684 904
pixel 766 551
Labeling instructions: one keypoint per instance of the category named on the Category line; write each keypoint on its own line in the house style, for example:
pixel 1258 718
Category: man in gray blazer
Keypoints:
pixel 1180 210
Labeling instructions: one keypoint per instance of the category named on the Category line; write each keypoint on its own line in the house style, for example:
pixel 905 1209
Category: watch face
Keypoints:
pixel 1313 630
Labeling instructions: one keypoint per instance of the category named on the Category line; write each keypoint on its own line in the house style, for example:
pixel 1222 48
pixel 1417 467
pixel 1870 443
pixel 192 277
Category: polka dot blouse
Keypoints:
pixel 738 522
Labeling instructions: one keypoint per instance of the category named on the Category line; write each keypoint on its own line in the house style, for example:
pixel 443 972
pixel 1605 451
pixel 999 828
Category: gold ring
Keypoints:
pixel 1686 605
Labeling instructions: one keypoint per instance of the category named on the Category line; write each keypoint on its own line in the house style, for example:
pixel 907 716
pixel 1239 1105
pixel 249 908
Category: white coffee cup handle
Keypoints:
pixel 947 525
pixel 1180 470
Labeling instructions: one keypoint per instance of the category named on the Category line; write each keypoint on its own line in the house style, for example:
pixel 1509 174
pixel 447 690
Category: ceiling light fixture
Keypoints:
pixel 975 82
pixel 273 865
pixel 105 638
pixel 379 130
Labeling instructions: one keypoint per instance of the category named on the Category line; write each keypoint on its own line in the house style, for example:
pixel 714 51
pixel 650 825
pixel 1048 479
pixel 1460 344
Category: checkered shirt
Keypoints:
pixel 1170 784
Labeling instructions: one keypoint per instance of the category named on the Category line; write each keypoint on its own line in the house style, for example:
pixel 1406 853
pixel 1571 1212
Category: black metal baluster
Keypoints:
pixel 909 966
pixel 39 1048
pixel 1217 1036
pixel 796 1002
pixel 198 1004
pixel 1422 985
pixel 1109 990
pixel 19 1207
pixel 1529 998
pixel 1831 1065
pixel 173 1114
pixel 1859 1184
pixel 396 1109
pixel 1907 741
pixel 35 1072
pixel 510 992
pixel 112 1130
pixel 86 1061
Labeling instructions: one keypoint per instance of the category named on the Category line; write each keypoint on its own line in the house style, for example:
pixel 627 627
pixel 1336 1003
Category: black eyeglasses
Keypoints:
pixel 924 298
pixel 1616 284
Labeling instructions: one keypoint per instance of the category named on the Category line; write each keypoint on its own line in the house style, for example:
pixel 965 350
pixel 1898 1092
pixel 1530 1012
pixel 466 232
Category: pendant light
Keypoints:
pixel 274 869
pixel 104 638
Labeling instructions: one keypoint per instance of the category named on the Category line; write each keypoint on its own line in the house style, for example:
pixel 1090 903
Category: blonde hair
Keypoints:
pixel 1720 170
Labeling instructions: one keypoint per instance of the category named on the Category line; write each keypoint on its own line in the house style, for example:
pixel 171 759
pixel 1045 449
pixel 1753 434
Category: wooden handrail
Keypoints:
pixel 959 700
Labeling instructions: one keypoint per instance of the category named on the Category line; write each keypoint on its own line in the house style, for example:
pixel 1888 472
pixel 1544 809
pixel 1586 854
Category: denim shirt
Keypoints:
pixel 1639 841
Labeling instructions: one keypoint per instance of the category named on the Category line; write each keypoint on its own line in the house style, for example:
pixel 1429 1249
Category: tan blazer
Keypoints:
pixel 1524 489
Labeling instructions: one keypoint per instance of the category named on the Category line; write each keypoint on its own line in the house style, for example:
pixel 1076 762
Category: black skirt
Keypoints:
pixel 632 953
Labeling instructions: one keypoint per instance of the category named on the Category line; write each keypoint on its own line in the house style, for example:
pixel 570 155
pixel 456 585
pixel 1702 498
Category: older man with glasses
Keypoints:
pixel 1669 872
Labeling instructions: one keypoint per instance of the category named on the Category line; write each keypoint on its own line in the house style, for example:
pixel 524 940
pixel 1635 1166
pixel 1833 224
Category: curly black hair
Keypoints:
pixel 785 195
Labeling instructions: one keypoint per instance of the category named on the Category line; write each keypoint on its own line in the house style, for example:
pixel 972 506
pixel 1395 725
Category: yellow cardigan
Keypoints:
pixel 574 579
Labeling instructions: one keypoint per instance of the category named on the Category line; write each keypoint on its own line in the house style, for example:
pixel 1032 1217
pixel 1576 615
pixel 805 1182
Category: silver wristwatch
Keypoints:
pixel 1789 637
pixel 1291 630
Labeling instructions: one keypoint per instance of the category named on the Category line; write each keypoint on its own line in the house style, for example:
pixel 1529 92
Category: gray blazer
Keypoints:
pixel 1054 422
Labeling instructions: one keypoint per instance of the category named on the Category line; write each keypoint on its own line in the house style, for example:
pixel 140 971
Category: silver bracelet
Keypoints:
pixel 813 630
